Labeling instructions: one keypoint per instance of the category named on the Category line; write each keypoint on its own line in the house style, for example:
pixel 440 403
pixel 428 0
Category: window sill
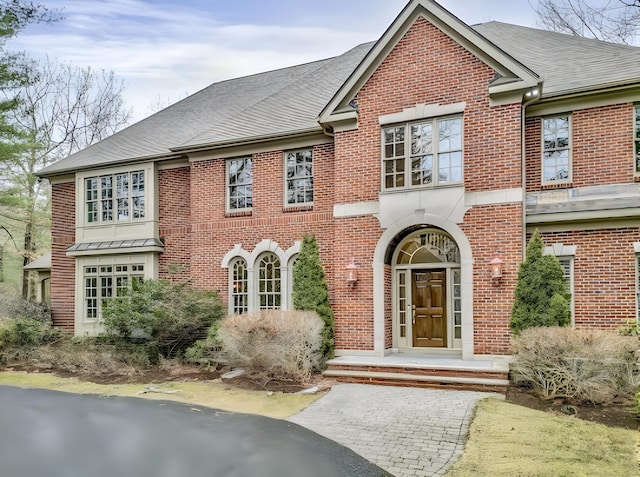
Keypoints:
pixel 560 185
pixel 239 213
pixel 397 190
pixel 297 208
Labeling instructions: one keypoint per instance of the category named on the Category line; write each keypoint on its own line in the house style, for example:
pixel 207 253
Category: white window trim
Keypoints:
pixel 150 194
pixel 422 111
pixel 287 257
pixel 286 203
pixel 227 186
pixel 92 326
pixel 407 156
pixel 569 180
pixel 566 252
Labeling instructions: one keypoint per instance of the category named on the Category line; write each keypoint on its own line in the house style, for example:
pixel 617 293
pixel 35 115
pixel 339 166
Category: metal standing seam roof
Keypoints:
pixel 287 101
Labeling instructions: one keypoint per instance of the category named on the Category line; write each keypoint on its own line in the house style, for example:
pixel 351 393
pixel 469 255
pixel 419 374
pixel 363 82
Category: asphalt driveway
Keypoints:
pixel 54 434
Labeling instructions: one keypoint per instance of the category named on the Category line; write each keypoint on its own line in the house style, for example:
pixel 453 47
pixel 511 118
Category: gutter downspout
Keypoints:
pixel 530 97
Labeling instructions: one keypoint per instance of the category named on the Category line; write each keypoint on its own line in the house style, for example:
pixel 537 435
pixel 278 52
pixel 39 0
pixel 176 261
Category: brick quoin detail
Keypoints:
pixel 63 268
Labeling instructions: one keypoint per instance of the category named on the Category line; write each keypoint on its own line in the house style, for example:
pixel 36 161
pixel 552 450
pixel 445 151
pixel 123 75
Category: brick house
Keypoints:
pixel 419 158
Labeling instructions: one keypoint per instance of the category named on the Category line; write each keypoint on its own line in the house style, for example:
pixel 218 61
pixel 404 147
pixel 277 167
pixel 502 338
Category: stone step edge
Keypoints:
pixel 435 367
pixel 411 377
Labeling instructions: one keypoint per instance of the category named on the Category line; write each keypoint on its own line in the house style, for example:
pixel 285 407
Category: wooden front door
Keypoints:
pixel 429 308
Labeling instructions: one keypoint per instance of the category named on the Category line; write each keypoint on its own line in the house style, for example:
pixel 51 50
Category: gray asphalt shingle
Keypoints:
pixel 288 100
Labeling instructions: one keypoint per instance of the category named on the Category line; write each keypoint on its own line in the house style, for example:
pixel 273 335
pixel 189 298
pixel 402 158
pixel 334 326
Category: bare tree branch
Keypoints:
pixel 616 21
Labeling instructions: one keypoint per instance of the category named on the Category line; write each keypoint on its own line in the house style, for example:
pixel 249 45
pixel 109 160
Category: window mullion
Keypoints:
pixel 407 155
pixel 435 143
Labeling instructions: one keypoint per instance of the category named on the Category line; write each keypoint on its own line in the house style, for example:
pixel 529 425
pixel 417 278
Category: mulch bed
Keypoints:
pixel 618 414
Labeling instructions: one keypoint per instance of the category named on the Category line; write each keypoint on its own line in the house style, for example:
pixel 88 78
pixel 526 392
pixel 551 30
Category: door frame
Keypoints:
pixel 406 343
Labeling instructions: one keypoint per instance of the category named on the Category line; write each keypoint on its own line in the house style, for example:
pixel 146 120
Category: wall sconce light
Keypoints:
pixel 496 268
pixel 352 272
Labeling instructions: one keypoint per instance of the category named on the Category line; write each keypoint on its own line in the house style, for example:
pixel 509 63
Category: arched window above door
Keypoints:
pixel 428 246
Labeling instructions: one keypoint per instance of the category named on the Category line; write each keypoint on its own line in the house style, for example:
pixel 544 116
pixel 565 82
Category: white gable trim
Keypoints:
pixel 514 75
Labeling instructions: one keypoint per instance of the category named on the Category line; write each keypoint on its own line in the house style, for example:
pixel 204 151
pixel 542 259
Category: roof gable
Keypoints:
pixel 511 75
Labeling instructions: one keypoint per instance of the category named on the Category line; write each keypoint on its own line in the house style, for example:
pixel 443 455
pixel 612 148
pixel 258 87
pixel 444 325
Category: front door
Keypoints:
pixel 429 308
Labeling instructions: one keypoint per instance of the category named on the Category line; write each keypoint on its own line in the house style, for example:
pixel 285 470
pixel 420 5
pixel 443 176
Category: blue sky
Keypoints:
pixel 167 49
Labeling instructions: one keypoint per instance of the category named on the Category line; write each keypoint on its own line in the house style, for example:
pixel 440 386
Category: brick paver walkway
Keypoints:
pixel 406 431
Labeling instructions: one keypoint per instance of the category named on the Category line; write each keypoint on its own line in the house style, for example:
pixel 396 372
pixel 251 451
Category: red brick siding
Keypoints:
pixel 604 275
pixel 602 147
pixel 174 217
pixel 491 229
pixel 63 206
pixel 427 67
pixel 215 233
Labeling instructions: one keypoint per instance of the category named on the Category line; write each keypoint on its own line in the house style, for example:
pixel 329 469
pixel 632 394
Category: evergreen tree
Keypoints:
pixel 541 298
pixel 310 290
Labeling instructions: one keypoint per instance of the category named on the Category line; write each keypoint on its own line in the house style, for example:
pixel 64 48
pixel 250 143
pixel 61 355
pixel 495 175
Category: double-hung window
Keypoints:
pixel 239 184
pixel 299 177
pixel 636 138
pixel 425 153
pixel 556 150
pixel 115 197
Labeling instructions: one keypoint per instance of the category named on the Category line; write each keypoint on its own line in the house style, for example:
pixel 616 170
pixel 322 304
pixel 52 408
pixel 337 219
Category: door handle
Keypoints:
pixel 413 314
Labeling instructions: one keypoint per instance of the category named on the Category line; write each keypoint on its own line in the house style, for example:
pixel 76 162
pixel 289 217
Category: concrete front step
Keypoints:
pixel 426 381
pixel 423 372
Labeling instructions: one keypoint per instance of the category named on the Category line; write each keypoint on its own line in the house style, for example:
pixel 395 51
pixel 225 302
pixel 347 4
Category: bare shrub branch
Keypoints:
pixel 274 343
pixel 588 365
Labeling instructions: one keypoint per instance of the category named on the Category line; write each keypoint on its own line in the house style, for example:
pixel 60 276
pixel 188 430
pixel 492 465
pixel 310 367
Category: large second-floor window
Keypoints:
pixel 115 197
pixel 299 177
pixel 239 183
pixel 556 150
pixel 636 136
pixel 426 153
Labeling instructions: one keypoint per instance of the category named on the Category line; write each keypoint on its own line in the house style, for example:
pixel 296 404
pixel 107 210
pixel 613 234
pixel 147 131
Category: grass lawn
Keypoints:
pixel 510 440
pixel 210 394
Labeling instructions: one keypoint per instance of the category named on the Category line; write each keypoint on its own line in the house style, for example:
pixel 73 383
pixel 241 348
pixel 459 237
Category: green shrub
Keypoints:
pixel 540 295
pixel 273 343
pixel 588 365
pixel 26 332
pixel 310 292
pixel 170 317
pixel 205 352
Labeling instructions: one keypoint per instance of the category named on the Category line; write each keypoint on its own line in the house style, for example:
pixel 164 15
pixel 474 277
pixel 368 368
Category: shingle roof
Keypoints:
pixel 265 104
pixel 566 63
pixel 287 101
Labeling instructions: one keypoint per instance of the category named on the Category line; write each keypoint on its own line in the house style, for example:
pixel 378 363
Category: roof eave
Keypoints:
pixel 192 148
pixel 135 160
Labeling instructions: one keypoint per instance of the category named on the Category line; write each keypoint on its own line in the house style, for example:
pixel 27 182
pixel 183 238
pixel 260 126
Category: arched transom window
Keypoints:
pixel 428 246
